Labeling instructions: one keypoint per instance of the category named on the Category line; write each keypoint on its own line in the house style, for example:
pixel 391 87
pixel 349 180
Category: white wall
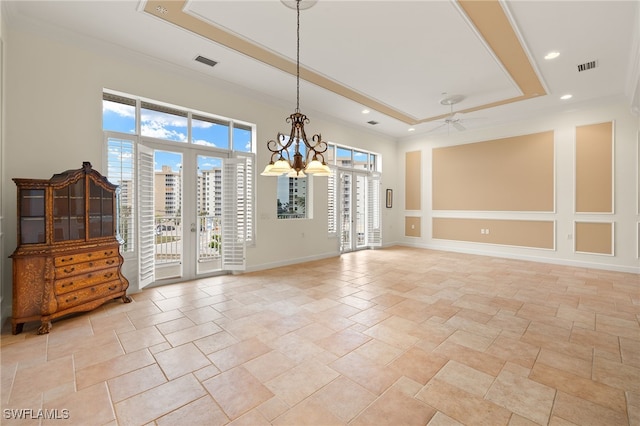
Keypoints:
pixel 54 123
pixel 3 252
pixel 626 217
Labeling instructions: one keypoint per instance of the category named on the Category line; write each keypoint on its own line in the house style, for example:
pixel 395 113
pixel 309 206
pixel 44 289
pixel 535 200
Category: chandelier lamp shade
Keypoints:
pixel 295 155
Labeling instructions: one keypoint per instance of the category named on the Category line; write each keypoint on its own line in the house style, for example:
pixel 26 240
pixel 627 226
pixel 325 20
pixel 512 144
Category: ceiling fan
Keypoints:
pixel 451 120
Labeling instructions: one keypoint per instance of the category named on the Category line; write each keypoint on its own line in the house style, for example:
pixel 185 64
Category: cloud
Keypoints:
pixel 203 142
pixel 120 109
pixel 147 115
pixel 201 123
pixel 159 125
pixel 158 130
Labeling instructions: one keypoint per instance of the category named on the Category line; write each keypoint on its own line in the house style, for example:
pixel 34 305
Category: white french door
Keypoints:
pixel 353 210
pixel 359 219
pixel 189 211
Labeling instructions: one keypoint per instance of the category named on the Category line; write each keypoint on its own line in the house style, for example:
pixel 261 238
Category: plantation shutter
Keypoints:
pixel 234 214
pixel 374 219
pixel 249 198
pixel 345 212
pixel 332 207
pixel 146 228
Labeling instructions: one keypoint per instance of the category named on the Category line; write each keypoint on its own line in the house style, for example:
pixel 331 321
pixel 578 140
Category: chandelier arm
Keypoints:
pixel 278 145
pixel 319 146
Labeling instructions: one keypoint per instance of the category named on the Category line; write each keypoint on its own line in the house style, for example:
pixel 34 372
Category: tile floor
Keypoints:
pixel 399 336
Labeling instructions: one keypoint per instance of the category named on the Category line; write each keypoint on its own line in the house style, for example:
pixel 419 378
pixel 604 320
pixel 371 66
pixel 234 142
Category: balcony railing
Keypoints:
pixel 209 238
pixel 169 232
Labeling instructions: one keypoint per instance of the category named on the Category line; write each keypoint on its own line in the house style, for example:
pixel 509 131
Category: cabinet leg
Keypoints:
pixel 126 299
pixel 45 327
pixel 16 328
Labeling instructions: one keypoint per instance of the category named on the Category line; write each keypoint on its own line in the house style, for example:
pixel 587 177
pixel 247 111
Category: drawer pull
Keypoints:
pixel 72 299
pixel 113 287
pixel 89 275
pixel 108 275
pixel 70 270
pixel 89 254
pixel 108 253
pixel 90 264
pixel 67 284
pixel 93 289
pixel 111 262
pixel 66 260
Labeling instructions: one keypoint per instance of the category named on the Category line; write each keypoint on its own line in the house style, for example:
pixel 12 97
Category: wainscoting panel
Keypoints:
pixel 594 168
pixel 510 174
pixel 522 233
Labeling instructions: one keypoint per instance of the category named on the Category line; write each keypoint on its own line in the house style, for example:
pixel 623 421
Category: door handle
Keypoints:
pixel 193 227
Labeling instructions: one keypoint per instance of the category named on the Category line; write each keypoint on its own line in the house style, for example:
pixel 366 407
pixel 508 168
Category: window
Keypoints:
pixel 343 157
pixel 160 122
pixel 360 160
pixel 209 132
pixel 292 197
pixel 128 115
pixel 242 138
pixel 118 114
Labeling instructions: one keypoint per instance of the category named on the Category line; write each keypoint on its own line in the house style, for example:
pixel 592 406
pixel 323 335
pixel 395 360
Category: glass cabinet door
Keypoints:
pixel 32 217
pixel 68 212
pixel 100 211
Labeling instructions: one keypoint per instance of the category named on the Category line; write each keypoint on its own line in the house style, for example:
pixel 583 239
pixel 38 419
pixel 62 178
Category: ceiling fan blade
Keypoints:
pixel 458 126
pixel 436 128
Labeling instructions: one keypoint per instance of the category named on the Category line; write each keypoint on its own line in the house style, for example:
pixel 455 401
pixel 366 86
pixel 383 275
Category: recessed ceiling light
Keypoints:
pixel 411 129
pixel 551 55
pixel 565 97
pixel 365 111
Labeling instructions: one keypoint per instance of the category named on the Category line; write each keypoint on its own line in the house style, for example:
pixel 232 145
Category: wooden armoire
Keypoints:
pixel 68 256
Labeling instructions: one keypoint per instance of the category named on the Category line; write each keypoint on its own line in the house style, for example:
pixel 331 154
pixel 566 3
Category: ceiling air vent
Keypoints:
pixel 373 123
pixel 587 66
pixel 206 61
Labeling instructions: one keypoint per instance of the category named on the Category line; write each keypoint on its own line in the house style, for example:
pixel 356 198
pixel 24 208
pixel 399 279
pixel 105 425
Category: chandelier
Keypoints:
pixel 311 161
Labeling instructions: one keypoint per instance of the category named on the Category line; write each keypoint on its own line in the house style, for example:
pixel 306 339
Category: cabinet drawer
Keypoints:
pixel 77 282
pixel 81 268
pixel 74 258
pixel 87 294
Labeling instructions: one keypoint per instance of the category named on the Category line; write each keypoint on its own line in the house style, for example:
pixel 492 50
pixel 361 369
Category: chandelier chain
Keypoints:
pixel 298 58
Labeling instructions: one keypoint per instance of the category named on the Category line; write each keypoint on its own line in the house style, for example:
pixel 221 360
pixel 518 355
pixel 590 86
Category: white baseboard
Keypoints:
pixel 539 259
pixel 271 265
